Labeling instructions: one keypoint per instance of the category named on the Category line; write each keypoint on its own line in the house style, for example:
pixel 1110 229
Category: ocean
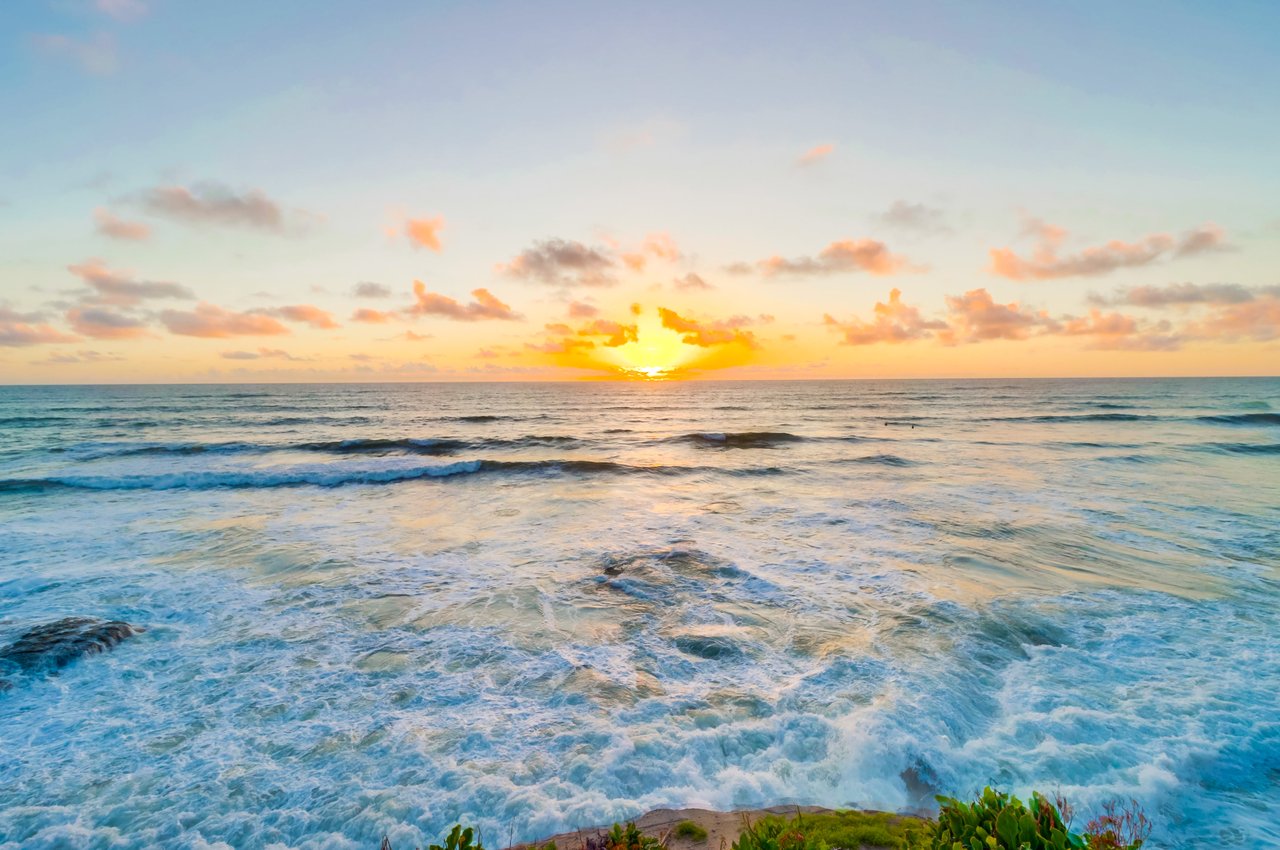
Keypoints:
pixel 379 609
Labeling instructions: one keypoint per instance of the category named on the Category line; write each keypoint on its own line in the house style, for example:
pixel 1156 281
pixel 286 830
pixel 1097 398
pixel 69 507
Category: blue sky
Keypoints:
pixel 598 123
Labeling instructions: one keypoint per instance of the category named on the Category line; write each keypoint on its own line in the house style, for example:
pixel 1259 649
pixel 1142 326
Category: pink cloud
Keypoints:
pixel 1046 263
pixel 109 225
pixel 975 316
pixel 424 232
pixel 308 313
pixel 213 322
pixel 894 322
pixel 848 255
pixel 101 323
pixel 372 317
pixel 121 289
pixel 485 306
pixel 582 310
pixel 815 154
pixel 22 329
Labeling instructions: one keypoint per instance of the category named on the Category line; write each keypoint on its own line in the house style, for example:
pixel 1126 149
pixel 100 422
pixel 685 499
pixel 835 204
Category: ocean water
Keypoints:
pixel 379 609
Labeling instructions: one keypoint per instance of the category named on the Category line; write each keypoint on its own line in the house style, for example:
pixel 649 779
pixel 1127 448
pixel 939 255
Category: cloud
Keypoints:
pixel 485 306
pixel 618 334
pixel 1116 331
pixel 582 310
pixel 109 225
pixel 84 356
pixel 96 55
pixel 656 245
pixel 121 10
pixel 692 281
pixel 1258 320
pixel 849 255
pixel 101 323
pixel 558 262
pixel 975 316
pixel 260 354
pixel 424 232
pixel 369 289
pixel 214 322
pixel 1183 295
pixel 815 155
pixel 1045 262
pixel 212 203
pixel 914 217
pixel 118 288
pixel 372 317
pixel 22 329
pixel 894 322
pixel 565 345
pixel 709 334
pixel 308 313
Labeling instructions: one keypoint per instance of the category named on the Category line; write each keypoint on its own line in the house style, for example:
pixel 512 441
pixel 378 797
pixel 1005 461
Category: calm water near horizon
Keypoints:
pixel 378 609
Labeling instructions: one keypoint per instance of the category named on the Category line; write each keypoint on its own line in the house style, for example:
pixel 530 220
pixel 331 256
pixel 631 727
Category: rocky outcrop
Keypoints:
pixel 48 648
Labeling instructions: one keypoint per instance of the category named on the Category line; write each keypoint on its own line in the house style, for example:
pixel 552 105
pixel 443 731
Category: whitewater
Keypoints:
pixel 380 609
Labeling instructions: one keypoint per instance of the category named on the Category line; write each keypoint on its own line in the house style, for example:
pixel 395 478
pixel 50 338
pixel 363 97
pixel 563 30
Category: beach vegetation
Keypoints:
pixel 690 830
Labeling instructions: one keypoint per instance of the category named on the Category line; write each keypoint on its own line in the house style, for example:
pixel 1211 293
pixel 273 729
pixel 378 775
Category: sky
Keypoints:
pixel 437 191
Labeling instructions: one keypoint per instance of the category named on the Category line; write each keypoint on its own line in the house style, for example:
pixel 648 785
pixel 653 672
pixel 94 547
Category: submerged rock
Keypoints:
pixel 53 646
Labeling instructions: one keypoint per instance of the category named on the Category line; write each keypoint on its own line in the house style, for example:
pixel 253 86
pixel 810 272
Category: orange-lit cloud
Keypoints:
pixel 120 289
pixel 975 316
pixel 83 356
pixel 1045 262
pixel 108 224
pixel 1258 319
pixel 424 232
pixel 848 255
pixel 308 313
pixel 22 329
pixel 558 262
pixel 708 334
pixel 582 310
pixel 894 322
pixel 213 322
pixel 815 154
pixel 618 334
pixel 1120 332
pixel 485 306
pixel 102 323
pixel 372 317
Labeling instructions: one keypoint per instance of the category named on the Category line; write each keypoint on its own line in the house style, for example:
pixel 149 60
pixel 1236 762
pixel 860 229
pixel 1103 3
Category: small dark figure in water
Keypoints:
pixel 53 646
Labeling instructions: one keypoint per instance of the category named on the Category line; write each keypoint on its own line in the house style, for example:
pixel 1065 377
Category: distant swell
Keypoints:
pixel 337 477
pixel 1243 448
pixel 429 446
pixel 742 440
pixel 1076 417
pixel 1243 419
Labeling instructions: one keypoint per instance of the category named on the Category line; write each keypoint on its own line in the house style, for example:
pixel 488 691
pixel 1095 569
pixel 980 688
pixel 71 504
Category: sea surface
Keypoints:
pixel 379 609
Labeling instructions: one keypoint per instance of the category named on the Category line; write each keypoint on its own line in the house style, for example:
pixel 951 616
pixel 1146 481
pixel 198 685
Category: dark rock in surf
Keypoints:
pixel 47 648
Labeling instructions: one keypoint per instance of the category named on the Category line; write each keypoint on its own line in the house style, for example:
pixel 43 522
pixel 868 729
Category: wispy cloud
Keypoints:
pixel 120 288
pixel 372 317
pixel 214 204
pixel 582 310
pixel 121 10
pixel 23 329
pixel 485 306
pixel 692 281
pixel 917 218
pixel 815 154
pixel 369 289
pixel 894 322
pixel 261 354
pixel 214 322
pixel 109 225
pixel 1184 295
pixel 559 262
pixel 103 323
pixel 845 256
pixel 1047 263
pixel 84 356
pixel 307 313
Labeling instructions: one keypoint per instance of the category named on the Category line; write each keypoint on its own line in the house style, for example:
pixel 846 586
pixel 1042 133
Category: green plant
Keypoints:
pixel 629 838
pixel 774 833
pixel 844 830
pixel 998 821
pixel 689 829
pixel 459 839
